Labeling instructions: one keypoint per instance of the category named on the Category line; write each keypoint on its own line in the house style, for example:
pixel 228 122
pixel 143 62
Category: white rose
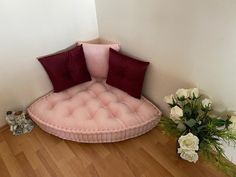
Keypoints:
pixel 182 93
pixel 206 103
pixel 169 99
pixel 175 114
pixel 190 156
pixel 193 93
pixel 233 125
pixel 189 142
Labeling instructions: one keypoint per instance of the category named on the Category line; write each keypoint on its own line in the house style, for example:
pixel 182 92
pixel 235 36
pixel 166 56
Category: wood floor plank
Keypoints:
pixel 36 163
pixel 3 128
pixel 166 154
pixel 146 163
pixel 80 171
pixel 42 172
pixel 43 155
pixel 3 169
pixel 49 142
pixel 48 163
pixel 1 137
pixel 100 150
pixel 153 166
pixel 65 152
pixel 67 170
pixel 10 160
pixel 113 166
pixel 81 153
pixel 92 171
pixel 25 165
pixel 16 143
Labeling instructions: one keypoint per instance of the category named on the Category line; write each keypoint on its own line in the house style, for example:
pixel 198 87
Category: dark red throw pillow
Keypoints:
pixel 126 73
pixel 77 66
pixel 57 70
pixel 61 73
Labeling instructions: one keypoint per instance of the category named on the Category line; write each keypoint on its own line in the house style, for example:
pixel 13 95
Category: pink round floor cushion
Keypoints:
pixel 94 112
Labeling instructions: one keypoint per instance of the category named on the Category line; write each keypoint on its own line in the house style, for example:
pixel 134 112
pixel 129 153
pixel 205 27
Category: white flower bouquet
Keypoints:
pixel 198 130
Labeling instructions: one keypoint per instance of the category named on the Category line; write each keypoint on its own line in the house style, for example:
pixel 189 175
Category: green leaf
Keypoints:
pixel 201 127
pixel 187 110
pixel 218 122
pixel 169 126
pixel 191 122
pixel 172 105
pixel 228 123
pixel 181 98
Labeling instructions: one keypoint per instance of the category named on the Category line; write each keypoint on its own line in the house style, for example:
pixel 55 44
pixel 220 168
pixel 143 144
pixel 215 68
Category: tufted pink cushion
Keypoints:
pixel 94 112
pixel 97 56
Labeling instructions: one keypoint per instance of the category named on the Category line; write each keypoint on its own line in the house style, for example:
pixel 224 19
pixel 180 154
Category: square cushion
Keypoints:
pixel 56 67
pixel 97 56
pixel 77 66
pixel 126 73
pixel 60 70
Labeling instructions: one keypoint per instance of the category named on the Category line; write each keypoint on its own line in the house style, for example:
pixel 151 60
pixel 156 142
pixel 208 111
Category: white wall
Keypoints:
pixel 32 28
pixel 188 42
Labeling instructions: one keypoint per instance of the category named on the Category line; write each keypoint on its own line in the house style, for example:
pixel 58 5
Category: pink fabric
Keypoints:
pixel 94 112
pixel 97 57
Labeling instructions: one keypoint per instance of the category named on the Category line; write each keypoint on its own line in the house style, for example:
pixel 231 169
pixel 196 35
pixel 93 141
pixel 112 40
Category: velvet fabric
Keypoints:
pixel 56 67
pixel 126 73
pixel 66 69
pixel 77 66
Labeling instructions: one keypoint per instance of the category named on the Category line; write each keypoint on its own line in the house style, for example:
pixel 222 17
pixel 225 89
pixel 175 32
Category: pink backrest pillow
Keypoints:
pixel 97 57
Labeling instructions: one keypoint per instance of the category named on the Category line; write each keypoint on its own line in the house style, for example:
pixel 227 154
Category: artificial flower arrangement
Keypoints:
pixel 198 129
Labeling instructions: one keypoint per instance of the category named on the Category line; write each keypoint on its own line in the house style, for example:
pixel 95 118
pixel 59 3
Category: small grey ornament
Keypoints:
pixel 19 122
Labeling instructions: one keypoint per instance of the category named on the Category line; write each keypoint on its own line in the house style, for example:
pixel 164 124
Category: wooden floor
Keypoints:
pixel 43 155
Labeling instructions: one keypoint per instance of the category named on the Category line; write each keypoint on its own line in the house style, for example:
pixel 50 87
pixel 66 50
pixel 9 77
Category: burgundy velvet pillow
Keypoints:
pixel 57 70
pixel 62 68
pixel 77 66
pixel 126 73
